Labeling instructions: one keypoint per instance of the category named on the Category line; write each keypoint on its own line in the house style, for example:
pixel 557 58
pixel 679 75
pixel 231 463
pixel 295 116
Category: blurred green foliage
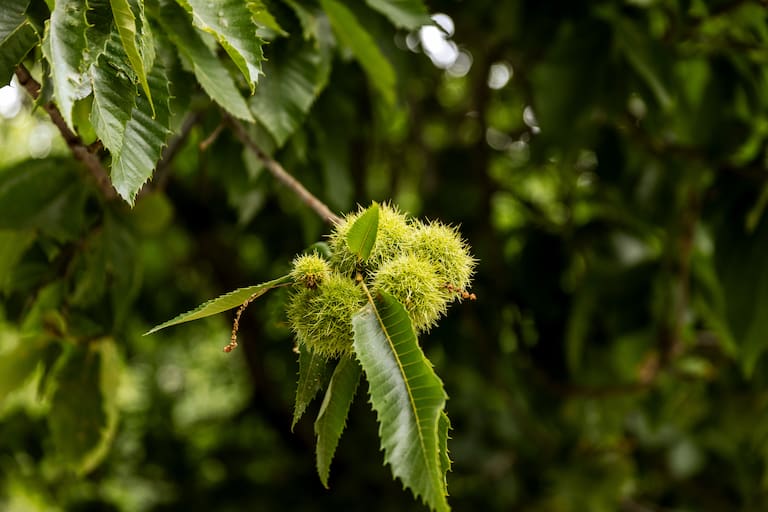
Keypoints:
pixel 606 160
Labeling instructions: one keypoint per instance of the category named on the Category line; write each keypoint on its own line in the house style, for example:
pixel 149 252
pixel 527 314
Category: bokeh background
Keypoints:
pixel 606 161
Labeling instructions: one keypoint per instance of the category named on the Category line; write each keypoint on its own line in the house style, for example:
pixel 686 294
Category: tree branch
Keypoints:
pixel 282 175
pixel 75 144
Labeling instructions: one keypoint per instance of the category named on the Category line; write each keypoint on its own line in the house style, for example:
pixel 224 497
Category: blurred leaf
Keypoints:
pixel 291 83
pixel 13 244
pixel 332 417
pixel 225 302
pixel 410 14
pixel 144 139
pixel 407 396
pixel 443 427
pixel 232 23
pixel 83 415
pixel 213 76
pixel 312 371
pixel 362 234
pixel 18 365
pixel 363 46
pixel 139 45
pixel 64 47
pixel 42 195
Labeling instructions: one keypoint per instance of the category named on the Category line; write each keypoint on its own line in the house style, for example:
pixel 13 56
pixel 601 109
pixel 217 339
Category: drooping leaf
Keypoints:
pixel 18 365
pixel 410 14
pixel 362 234
pixel 332 417
pixel 312 371
pixel 100 23
pixel 144 139
pixel 292 81
pixel 114 97
pixel 83 415
pixel 363 46
pixel 407 396
pixel 232 23
pixel 264 18
pixel 64 47
pixel 139 47
pixel 225 302
pixel 209 70
pixel 42 195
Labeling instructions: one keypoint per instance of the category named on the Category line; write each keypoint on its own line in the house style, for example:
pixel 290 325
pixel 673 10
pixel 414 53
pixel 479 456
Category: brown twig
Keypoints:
pixel 236 324
pixel 282 175
pixel 75 144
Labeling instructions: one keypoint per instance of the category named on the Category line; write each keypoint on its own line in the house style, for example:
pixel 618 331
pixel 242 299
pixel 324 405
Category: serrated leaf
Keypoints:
pixel 144 138
pixel 99 18
pixel 362 234
pixel 410 14
pixel 232 23
pixel 363 46
pixel 332 417
pixel 406 394
pixel 64 47
pixel 209 70
pixel 443 427
pixel 262 17
pixel 138 47
pixel 83 415
pixel 114 99
pixel 312 371
pixel 225 302
pixel 18 365
pixel 292 81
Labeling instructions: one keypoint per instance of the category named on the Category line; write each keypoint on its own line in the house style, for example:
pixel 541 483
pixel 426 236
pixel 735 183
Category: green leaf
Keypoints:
pixel 19 364
pixel 292 81
pixel 144 139
pixel 443 427
pixel 407 396
pixel 83 415
pixel 410 14
pixel 209 70
pixel 263 18
pixel 114 99
pixel 141 52
pixel 17 37
pixel 225 302
pixel 13 245
pixel 64 47
pixel 312 371
pixel 332 417
pixel 363 46
pixel 232 23
pixel 362 234
pixel 43 195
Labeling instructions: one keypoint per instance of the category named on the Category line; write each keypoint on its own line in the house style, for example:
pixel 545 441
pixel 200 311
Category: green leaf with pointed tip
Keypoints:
pixel 292 81
pixel 144 138
pixel 18 365
pixel 209 70
pixel 363 46
pixel 312 372
pixel 263 18
pixel 362 234
pixel 407 396
pixel 232 23
pixel 410 14
pixel 225 302
pixel 64 47
pixel 138 47
pixel 83 415
pixel 332 417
